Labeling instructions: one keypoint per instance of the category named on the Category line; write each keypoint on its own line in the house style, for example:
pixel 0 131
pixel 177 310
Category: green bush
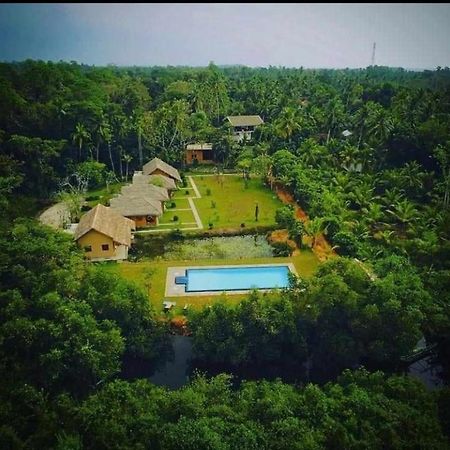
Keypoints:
pixel 176 235
pixel 208 191
pixel 175 218
pixel 346 242
pixel 281 249
pixel 284 216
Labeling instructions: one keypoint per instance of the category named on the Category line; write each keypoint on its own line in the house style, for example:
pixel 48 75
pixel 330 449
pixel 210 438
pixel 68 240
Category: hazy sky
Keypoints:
pixel 292 35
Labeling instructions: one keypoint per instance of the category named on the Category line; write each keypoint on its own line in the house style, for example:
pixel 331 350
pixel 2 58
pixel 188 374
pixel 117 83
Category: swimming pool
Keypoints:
pixel 235 278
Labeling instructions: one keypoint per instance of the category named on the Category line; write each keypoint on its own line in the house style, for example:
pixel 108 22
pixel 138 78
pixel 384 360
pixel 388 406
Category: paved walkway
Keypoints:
pixel 197 193
pixel 196 215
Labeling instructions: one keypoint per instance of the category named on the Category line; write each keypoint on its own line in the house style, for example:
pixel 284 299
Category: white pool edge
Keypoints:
pixel 178 290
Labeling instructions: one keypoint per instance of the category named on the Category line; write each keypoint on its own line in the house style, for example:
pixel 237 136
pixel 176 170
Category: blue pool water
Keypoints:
pixel 237 278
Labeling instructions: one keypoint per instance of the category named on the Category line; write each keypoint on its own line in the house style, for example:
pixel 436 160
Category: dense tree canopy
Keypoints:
pixel 365 153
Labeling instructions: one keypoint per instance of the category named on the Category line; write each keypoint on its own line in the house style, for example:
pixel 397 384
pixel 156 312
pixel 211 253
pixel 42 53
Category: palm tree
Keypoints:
pixel 404 212
pixel 362 195
pixel 80 136
pixel 287 123
pixel 314 228
pixel 127 159
pixel 413 176
pixel 106 136
pixel 442 155
pixel 373 214
pixel 392 197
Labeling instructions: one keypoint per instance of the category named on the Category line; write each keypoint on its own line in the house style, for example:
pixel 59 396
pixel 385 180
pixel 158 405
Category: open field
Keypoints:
pixel 234 203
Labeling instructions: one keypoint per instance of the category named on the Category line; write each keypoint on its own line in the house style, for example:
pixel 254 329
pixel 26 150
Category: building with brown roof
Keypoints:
pixel 243 126
pixel 156 180
pixel 158 167
pixel 200 153
pixel 104 234
pixel 143 210
pixel 146 191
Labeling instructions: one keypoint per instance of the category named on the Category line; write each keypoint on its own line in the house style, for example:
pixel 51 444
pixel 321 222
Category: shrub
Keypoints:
pixel 284 216
pixel 176 235
pixel 210 225
pixel 213 204
pixel 186 192
pixel 175 218
pixel 91 198
pixel 173 205
pixel 208 191
pixel 346 242
pixel 281 249
pixel 242 225
pixel 333 225
pixel 85 208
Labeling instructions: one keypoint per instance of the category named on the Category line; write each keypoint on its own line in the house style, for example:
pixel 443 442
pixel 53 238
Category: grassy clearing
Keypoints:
pixel 103 194
pixel 180 203
pixel 234 203
pixel 306 264
pixel 183 217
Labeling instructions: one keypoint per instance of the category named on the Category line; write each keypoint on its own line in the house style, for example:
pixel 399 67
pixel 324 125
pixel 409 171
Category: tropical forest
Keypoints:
pixel 346 179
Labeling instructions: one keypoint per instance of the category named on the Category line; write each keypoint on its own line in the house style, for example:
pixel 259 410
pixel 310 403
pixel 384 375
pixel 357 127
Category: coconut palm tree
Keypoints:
pixel 106 135
pixel 126 159
pixel 80 136
pixel 314 228
pixel 287 123
pixel 404 212
pixel 373 214
pixel 391 197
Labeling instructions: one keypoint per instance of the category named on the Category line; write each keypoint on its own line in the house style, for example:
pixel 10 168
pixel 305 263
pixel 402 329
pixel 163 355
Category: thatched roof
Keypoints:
pixel 157 163
pixel 149 191
pixel 156 180
pixel 199 146
pixel 132 206
pixel 244 121
pixel 108 222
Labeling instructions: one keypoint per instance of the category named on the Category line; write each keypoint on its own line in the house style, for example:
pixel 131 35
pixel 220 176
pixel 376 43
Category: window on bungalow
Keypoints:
pixel 105 247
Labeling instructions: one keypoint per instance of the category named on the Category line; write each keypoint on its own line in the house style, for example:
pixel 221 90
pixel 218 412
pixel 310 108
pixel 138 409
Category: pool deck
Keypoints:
pixel 178 290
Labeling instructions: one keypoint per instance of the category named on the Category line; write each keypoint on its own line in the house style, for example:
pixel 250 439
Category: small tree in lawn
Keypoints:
pixel 256 212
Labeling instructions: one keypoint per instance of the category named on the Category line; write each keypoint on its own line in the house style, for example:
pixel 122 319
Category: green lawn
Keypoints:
pixel 234 203
pixel 103 194
pixel 183 217
pixel 182 203
pixel 306 264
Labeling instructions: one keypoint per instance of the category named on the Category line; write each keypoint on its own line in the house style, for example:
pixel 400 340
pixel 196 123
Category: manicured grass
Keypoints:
pixel 235 204
pixel 182 203
pixel 183 217
pixel 306 264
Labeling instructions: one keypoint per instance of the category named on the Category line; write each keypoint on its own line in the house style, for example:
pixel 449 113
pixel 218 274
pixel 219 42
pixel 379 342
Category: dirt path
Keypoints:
pixel 322 248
